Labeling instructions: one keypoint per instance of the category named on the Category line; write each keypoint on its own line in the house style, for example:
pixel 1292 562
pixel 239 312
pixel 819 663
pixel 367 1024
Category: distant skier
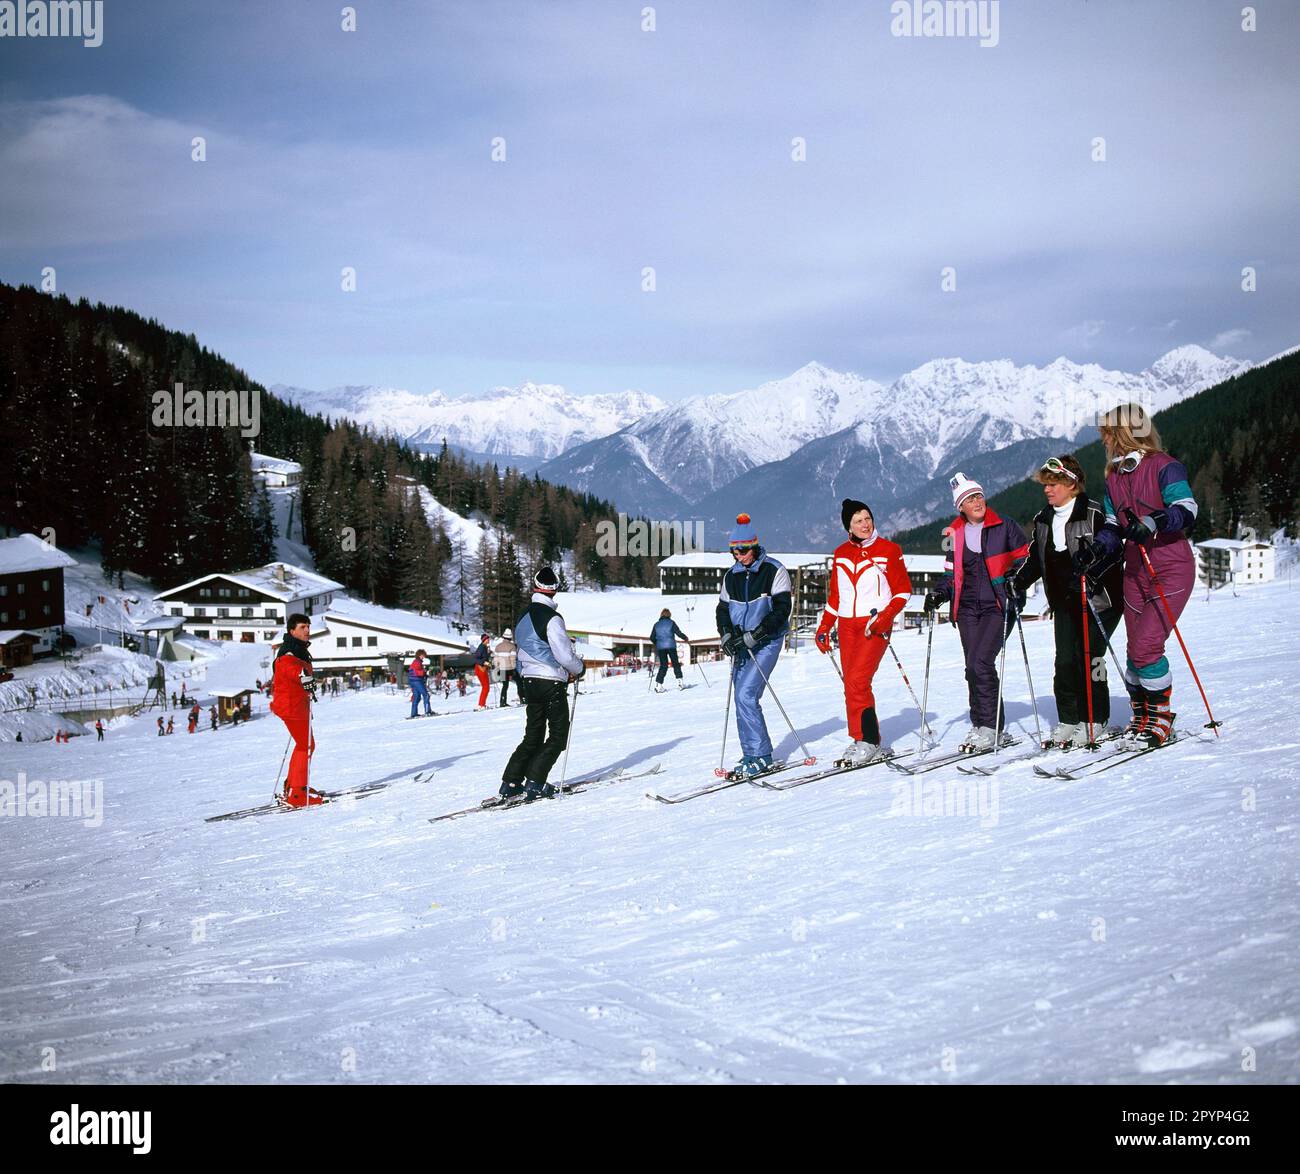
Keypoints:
pixel 753 617
pixel 291 703
pixel 1068 524
pixel 171 725
pixel 546 666
pixel 417 676
pixel 665 635
pixel 161 730
pixel 99 730
pixel 461 684
pixel 1148 505
pixel 986 548
pixel 212 716
pixel 867 576
pixel 505 658
pixel 483 658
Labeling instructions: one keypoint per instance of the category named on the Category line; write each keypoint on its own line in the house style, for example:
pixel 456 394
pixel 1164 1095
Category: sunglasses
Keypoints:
pixel 1054 465
pixel 748 548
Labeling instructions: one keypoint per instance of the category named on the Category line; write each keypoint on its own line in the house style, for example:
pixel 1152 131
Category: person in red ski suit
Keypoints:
pixel 482 659
pixel 867 576
pixel 291 703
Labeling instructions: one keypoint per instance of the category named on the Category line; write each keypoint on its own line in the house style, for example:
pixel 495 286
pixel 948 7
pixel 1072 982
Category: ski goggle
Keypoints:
pixel 1126 464
pixel 744 548
pixel 1054 465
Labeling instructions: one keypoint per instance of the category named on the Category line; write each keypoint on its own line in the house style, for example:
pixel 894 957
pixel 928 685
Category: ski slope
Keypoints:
pixel 1137 927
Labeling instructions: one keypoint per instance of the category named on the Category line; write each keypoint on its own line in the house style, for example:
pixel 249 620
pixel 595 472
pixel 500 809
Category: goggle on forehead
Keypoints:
pixel 1054 465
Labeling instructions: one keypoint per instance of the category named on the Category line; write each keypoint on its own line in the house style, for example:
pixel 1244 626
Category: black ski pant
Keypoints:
pixel 547 708
pixel 981 627
pixel 1071 681
pixel 666 655
pixel 508 675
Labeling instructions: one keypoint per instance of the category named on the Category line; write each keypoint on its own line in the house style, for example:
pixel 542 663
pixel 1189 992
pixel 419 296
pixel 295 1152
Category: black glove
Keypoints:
pixel 756 638
pixel 1089 557
pixel 1145 528
pixel 932 602
pixel 733 643
pixel 1015 597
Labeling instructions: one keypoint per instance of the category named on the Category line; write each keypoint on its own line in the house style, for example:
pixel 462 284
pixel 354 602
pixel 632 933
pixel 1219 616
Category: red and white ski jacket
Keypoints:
pixel 866 575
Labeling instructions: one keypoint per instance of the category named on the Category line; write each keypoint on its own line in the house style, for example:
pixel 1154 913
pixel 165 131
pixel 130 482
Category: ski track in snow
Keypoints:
pixel 748 936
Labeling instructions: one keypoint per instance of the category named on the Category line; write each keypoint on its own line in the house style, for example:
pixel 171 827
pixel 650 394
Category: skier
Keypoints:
pixel 161 731
pixel 99 730
pixel 1068 523
pixel 291 703
pixel 868 577
pixel 986 548
pixel 171 725
pixel 482 658
pixel 753 615
pixel 417 676
pixel 461 686
pixel 665 634
pixel 505 659
pixel 192 723
pixel 1148 505
pixel 212 715
pixel 547 665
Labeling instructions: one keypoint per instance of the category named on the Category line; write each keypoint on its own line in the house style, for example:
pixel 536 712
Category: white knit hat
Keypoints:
pixel 963 487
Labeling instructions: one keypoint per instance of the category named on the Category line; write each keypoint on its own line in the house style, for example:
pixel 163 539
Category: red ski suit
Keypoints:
pixel 292 706
pixel 864 575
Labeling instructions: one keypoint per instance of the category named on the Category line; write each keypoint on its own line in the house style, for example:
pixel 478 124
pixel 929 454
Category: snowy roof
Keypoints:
pixel 161 624
pixel 718 558
pixel 586 650
pixel 232 692
pixel 298 583
pixel 1232 544
pixel 29 553
pixel 627 614
pixel 264 464
pixel 9 636
pixel 434 629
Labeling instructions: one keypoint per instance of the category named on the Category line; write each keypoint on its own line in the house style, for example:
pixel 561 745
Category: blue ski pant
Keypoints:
pixel 749 688
pixel 419 688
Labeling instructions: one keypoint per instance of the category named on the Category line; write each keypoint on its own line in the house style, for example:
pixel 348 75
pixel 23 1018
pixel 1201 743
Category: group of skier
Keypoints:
pixel 1129 554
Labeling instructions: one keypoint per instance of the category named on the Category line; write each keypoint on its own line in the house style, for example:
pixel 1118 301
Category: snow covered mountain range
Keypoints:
pixel 789 449
pixel 530 423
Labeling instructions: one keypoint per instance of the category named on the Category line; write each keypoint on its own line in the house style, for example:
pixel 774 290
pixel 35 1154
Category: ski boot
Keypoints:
pixel 511 791
pixel 660 689
pixel 860 753
pixel 1138 722
pixel 303 797
pixel 1063 736
pixel 1159 726
pixel 980 739
pixel 755 765
pixel 680 683
pixel 534 791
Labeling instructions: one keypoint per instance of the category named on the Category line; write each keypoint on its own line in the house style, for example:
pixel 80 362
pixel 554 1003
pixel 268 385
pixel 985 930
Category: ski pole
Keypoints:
pixel 1087 653
pixel 1173 623
pixel 1002 676
pixel 275 791
pixel 1033 697
pixel 836 666
pixel 726 721
pixel 703 674
pixel 808 759
pixel 1110 644
pixel 568 740
pixel 925 688
pixel 925 726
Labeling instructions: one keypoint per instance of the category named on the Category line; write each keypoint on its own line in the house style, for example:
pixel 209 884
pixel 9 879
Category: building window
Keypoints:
pixel 46 609
pixel 268 635
pixel 223 592
pixel 22 588
pixel 372 641
pixel 4 617
pixel 205 592
pixel 200 613
pixel 22 613
pixel 201 633
pixel 178 611
pixel 223 613
pixel 356 641
pixel 225 635
pixel 341 642
pixel 45 584
pixel 272 614
pixel 4 590
pixel 243 593
pixel 246 612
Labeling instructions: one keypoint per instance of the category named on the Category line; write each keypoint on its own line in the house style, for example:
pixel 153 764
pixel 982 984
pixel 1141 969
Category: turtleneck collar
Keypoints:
pixel 864 542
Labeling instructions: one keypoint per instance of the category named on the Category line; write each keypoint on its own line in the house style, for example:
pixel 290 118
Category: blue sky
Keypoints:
pixel 669 149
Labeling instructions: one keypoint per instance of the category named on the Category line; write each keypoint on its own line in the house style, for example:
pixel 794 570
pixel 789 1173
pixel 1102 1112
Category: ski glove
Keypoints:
pixel 1145 528
pixel 753 640
pixel 932 601
pixel 1015 597
pixel 1090 555
pixel 733 643
pixel 824 641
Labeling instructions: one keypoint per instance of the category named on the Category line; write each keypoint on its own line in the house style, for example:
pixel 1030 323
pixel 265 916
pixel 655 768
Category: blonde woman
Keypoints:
pixel 1070 522
pixel 1148 503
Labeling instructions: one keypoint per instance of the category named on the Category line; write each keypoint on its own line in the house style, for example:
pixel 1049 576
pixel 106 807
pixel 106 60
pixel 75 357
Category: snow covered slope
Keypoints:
pixel 1139 927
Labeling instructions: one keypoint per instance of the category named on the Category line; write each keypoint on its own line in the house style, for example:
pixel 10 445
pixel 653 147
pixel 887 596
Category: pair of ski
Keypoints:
pixel 498 803
pixel 925 765
pixel 360 791
pixel 1124 752
pixel 730 779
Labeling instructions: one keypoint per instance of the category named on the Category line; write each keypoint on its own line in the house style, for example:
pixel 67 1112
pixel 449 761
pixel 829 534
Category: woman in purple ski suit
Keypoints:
pixel 1148 504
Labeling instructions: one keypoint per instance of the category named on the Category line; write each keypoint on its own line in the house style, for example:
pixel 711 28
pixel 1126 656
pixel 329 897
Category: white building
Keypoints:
pixel 275 473
pixel 31 592
pixel 1233 560
pixel 353 635
pixel 248 606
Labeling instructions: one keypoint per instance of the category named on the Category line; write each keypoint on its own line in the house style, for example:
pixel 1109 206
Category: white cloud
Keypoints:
pixel 1228 338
